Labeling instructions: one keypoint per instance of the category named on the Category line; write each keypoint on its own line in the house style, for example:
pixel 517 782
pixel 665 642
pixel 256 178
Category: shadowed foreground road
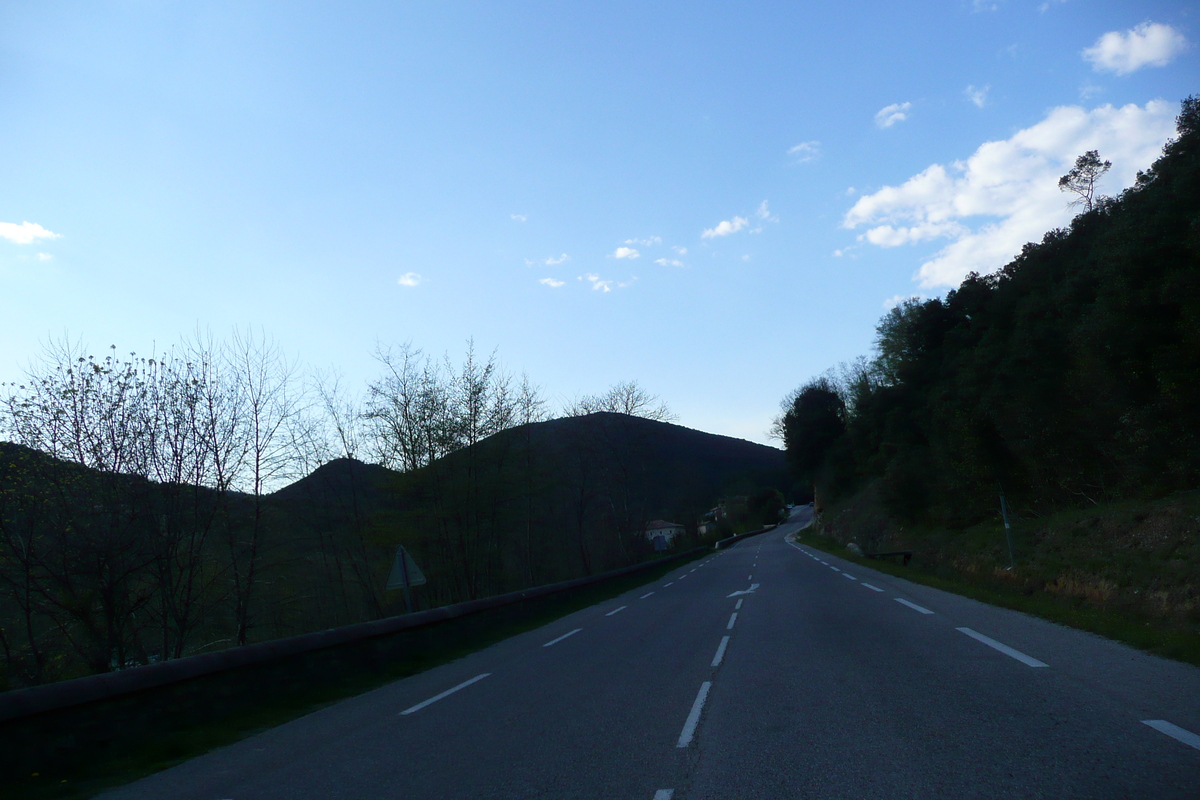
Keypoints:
pixel 765 671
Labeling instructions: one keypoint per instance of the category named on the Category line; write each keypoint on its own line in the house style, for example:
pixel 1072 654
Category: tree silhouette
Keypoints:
pixel 1082 178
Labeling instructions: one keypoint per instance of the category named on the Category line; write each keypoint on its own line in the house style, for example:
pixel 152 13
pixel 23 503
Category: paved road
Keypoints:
pixel 821 680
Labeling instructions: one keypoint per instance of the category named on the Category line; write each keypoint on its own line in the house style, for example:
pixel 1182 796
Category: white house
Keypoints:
pixel 662 533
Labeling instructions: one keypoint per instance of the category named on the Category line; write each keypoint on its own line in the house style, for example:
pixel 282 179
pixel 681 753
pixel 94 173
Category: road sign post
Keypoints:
pixel 1012 562
pixel 405 575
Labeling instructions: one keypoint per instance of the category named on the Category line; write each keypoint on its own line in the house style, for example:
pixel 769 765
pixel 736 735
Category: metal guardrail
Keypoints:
pixel 723 543
pixel 19 703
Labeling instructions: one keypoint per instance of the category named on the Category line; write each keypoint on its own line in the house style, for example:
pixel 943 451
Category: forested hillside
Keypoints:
pixel 1070 376
pixel 101 569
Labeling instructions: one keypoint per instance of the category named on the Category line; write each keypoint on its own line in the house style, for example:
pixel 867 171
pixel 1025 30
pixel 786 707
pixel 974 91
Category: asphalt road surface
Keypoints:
pixel 763 671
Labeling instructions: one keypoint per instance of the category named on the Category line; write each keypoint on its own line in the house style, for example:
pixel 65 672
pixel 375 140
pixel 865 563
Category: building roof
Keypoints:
pixel 661 523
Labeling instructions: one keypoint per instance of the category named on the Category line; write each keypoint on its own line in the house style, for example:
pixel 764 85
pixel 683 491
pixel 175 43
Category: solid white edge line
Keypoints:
pixel 716 662
pixel 615 610
pixel 664 794
pixel 693 718
pixel 559 639
pixel 872 588
pixel 647 594
pixel 738 607
pixel 1003 648
pixel 1174 731
pixel 913 606
pixel 732 619
pixel 848 575
pixel 446 693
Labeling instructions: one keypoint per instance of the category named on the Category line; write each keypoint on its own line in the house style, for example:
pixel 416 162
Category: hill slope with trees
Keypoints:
pixel 1071 375
pixel 101 569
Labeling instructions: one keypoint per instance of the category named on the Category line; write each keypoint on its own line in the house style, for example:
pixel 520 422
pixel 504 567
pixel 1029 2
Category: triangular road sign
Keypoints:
pixel 405 572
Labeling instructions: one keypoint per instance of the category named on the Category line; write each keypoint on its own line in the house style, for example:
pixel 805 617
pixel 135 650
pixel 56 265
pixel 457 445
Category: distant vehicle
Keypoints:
pixel 791 506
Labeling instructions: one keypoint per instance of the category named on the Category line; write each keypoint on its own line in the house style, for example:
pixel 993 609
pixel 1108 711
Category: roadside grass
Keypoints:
pixel 1128 571
pixel 175 747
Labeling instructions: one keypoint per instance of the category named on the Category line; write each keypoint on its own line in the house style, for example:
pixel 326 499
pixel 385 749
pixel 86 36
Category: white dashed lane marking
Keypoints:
pixel 559 639
pixel 693 719
pixel 872 588
pixel 913 606
pixel 647 594
pixel 1174 731
pixel 716 662
pixel 615 610
pixel 444 694
pixel 1003 648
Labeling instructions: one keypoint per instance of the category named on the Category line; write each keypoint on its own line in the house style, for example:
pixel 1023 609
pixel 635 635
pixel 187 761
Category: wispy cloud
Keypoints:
pixel 44 256
pixel 746 257
pixel 410 279
pixel 669 262
pixel 804 152
pixel 888 116
pixel 681 250
pixel 625 252
pixel 764 213
pixel 25 233
pixel 978 96
pixel 519 217
pixel 649 241
pixel 550 262
pixel 598 285
pixel 725 227
pixel 553 284
pixel 1150 44
pixel 1009 187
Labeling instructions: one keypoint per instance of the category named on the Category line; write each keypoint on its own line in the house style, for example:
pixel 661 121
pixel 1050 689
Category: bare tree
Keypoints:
pixel 624 398
pixel 269 407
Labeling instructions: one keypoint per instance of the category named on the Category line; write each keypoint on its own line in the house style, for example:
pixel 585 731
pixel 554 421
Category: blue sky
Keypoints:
pixel 715 199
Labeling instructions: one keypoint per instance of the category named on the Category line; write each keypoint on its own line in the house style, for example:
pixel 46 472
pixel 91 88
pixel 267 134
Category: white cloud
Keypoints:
pixel 1150 44
pixel 1089 91
pixel 804 152
pixel 746 257
pixel 1006 193
pixel 625 252
pixel 978 96
pixel 598 285
pixel 553 284
pixel 764 213
pixel 851 191
pixel 668 262
pixel 44 256
pixel 550 262
pixel 519 217
pixel 25 233
pixel 888 116
pixel 725 227
pixel 681 250
pixel 648 241
pixel 410 279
